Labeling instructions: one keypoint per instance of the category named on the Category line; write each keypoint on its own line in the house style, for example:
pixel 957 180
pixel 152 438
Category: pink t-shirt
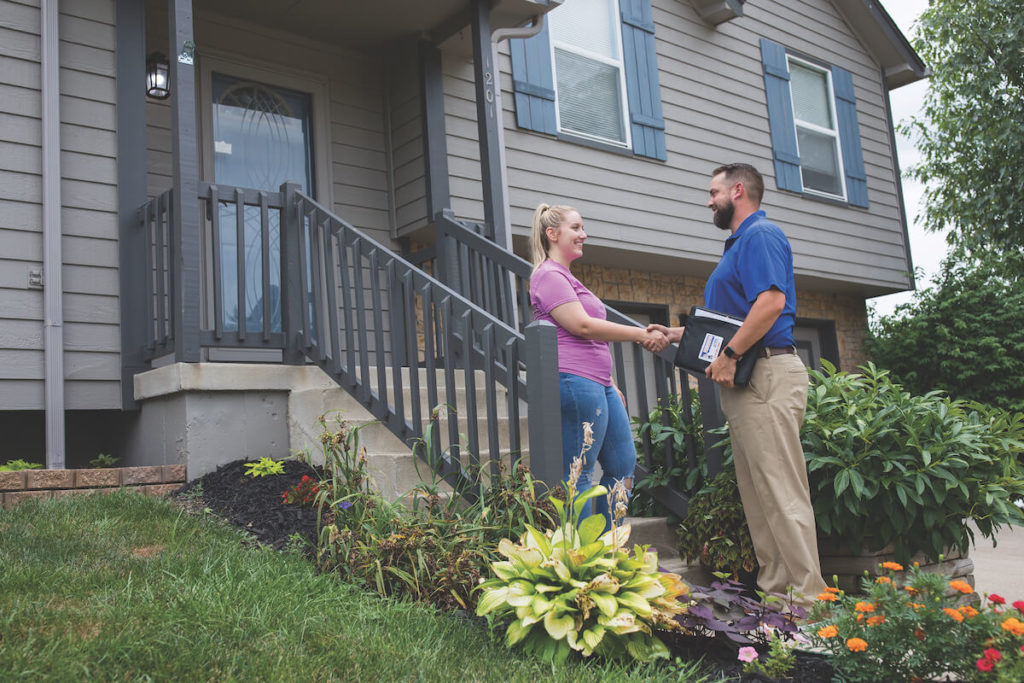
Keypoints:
pixel 553 285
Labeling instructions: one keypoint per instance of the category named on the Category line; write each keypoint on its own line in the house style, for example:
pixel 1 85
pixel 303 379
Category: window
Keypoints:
pixel 589 78
pixel 591 75
pixel 812 114
pixel 817 138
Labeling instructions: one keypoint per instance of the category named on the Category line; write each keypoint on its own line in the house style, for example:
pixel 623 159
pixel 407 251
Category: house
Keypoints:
pixel 179 267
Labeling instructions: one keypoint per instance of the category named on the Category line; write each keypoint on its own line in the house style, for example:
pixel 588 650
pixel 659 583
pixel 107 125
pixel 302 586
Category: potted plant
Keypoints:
pixel 892 470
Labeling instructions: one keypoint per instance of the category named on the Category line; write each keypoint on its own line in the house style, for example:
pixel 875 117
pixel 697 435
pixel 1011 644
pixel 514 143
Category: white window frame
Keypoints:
pixel 833 133
pixel 620 66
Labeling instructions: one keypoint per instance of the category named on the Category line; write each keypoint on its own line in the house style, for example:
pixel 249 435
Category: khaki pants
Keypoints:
pixel 764 424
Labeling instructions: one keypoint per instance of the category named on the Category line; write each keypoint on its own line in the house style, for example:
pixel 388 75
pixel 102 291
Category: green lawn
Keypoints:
pixel 131 588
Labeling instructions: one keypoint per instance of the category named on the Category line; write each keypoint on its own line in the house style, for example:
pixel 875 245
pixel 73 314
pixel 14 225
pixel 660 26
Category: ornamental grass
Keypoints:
pixel 915 625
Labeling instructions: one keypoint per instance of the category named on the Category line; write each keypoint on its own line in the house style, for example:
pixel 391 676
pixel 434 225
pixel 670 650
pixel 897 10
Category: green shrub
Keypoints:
pixel 675 424
pixel 19 464
pixel 715 530
pixel 887 467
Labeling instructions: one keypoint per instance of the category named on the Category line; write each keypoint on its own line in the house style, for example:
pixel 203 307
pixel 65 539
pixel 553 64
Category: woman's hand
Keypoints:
pixel 654 340
pixel 673 334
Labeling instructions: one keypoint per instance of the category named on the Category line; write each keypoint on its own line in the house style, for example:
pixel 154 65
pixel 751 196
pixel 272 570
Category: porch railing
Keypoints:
pixel 498 280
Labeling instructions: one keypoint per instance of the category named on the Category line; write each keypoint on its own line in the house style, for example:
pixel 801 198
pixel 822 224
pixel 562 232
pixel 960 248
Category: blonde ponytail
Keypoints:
pixel 546 216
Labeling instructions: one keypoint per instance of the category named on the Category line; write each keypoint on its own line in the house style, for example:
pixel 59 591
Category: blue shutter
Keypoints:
pixel 533 84
pixel 849 138
pixel 647 125
pixel 780 116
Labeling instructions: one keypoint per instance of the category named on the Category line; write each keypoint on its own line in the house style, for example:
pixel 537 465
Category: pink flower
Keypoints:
pixel 747 654
pixel 985 664
pixel 993 655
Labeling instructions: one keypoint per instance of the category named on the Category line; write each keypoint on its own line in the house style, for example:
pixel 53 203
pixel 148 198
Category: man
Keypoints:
pixel 754 281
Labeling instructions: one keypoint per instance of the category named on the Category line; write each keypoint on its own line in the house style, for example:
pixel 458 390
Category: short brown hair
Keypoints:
pixel 746 174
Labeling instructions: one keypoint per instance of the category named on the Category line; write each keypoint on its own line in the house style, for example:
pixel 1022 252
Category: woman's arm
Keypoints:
pixel 571 317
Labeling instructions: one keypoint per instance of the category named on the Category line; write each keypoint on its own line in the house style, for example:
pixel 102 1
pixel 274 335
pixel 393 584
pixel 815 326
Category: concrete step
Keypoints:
pixel 657 533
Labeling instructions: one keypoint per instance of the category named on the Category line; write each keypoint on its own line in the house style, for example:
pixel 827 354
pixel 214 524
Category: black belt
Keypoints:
pixel 769 351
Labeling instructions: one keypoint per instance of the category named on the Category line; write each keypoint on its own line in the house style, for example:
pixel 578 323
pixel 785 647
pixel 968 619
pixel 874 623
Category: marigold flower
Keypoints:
pixel 864 607
pixel 883 579
pixel 876 620
pixel 896 567
pixel 997 599
pixel 915 605
pixel 968 611
pixel 829 631
pixel 856 645
pixel 910 589
pixel 993 655
pixel 860 618
pixel 919 634
pixel 985 664
pixel 747 654
pixel 827 597
pixel 961 586
pixel 833 589
pixel 1014 626
pixel 953 614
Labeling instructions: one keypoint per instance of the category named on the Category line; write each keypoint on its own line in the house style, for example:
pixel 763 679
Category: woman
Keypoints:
pixel 584 362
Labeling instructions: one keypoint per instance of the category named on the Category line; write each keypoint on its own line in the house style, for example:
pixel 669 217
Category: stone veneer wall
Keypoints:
pixel 680 292
pixel 21 485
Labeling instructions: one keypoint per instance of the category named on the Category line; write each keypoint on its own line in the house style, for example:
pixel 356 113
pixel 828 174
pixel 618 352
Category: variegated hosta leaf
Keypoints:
pixel 492 599
pixel 539 605
pixel 606 603
pixel 504 570
pixel 591 529
pixel 616 537
pixel 537 540
pixel 634 602
pixel 526 615
pixel 520 592
pixel 559 568
pixel 558 625
pixel 592 638
pixel 516 632
pixel 605 583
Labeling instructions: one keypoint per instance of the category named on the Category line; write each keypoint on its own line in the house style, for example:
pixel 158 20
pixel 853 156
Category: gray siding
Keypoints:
pixel 713 100
pixel 406 116
pixel 88 215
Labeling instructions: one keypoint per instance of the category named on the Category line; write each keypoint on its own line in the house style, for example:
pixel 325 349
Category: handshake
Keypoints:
pixel 656 337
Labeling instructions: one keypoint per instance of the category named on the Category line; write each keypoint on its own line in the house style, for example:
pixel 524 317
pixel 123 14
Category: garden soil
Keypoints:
pixel 256 505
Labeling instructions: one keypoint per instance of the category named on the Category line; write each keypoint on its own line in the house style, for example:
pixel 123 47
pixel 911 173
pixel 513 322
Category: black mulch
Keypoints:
pixel 255 504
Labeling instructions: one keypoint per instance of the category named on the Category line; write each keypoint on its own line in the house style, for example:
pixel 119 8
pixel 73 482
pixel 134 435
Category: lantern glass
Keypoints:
pixel 157 77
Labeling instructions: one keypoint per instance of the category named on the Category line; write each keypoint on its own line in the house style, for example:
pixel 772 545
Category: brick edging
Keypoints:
pixel 157 480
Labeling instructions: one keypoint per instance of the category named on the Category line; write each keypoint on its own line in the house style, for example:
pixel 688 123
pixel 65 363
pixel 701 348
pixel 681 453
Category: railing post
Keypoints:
pixel 544 406
pixel 291 274
pixel 711 415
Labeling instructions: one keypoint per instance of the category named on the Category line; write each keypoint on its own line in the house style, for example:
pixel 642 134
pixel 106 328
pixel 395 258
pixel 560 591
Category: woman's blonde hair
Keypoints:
pixel 546 216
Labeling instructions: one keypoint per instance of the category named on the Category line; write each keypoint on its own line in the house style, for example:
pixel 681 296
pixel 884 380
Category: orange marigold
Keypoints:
pixel 968 611
pixel 831 589
pixel 1014 626
pixel 883 579
pixel 876 620
pixel 896 567
pixel 915 605
pixel 864 607
pixel 910 589
pixel 827 597
pixel 919 634
pixel 829 631
pixel 961 586
pixel 856 645
pixel 953 614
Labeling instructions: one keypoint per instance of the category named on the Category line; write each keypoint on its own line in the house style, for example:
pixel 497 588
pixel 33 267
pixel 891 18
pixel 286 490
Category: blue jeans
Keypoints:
pixel 584 400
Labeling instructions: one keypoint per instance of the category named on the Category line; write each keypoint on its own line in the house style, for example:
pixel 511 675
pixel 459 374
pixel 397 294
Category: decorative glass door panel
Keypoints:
pixel 261 139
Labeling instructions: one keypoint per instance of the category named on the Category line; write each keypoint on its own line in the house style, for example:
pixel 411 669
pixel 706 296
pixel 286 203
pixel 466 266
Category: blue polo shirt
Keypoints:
pixel 757 257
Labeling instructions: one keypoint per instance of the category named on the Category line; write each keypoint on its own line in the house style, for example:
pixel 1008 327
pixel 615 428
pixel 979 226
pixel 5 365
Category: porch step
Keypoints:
pixel 657 533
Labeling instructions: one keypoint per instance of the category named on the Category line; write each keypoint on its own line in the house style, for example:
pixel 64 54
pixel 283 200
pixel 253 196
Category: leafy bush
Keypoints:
pixel 917 626
pixel 715 528
pixel 577 588
pixel 887 467
pixel 18 465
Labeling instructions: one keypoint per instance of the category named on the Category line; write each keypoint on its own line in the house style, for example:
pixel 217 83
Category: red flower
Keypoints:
pixel 997 599
pixel 993 655
pixel 1019 605
pixel 985 664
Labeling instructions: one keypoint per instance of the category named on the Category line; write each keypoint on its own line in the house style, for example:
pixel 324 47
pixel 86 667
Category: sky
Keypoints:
pixel 926 249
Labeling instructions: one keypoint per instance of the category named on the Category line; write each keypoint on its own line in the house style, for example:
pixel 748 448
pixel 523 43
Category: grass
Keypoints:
pixel 131 588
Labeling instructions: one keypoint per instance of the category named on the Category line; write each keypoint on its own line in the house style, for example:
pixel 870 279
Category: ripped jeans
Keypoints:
pixel 584 400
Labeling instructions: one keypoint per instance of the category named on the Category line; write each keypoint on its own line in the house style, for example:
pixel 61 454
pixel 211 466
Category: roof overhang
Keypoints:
pixel 880 35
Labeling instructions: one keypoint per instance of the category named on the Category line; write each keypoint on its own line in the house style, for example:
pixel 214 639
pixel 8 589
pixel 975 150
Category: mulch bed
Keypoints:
pixel 255 504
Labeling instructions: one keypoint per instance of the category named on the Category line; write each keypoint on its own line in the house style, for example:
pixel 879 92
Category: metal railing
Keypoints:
pixel 498 281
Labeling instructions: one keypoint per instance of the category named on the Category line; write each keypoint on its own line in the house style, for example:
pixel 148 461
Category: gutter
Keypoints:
pixel 53 288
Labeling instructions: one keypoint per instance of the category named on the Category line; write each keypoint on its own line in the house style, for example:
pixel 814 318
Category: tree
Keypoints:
pixel 970 131
pixel 964 334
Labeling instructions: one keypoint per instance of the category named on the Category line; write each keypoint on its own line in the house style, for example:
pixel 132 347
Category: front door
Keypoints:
pixel 262 138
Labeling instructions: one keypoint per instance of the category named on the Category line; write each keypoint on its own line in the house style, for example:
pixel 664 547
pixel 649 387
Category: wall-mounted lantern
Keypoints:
pixel 157 76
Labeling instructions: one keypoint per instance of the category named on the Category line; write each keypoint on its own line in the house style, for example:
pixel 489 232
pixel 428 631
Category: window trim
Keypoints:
pixel 625 121
pixel 834 133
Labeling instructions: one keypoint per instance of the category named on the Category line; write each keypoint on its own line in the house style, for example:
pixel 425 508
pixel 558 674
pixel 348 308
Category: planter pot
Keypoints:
pixel 838 560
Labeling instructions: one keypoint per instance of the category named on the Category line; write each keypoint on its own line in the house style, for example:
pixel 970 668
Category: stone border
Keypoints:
pixel 21 485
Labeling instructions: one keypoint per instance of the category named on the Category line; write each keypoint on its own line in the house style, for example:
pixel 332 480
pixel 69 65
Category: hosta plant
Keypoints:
pixel 578 588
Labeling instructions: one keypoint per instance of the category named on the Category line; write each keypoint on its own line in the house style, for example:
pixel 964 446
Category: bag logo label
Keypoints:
pixel 710 348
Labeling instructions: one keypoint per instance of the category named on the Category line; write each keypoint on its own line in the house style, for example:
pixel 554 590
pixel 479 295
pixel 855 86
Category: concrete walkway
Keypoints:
pixel 1000 569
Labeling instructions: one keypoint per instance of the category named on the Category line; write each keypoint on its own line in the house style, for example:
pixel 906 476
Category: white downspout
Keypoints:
pixel 53 288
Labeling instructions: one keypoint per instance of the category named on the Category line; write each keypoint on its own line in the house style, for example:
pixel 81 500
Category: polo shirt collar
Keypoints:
pixel 749 220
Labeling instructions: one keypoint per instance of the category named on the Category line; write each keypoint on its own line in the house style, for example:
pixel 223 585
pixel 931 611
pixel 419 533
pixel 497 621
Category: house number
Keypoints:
pixel 489 93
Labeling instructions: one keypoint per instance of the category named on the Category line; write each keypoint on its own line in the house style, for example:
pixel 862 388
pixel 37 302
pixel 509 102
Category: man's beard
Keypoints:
pixel 722 216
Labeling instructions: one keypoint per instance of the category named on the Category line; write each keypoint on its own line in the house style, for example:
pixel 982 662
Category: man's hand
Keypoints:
pixel 654 340
pixel 722 370
pixel 674 334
